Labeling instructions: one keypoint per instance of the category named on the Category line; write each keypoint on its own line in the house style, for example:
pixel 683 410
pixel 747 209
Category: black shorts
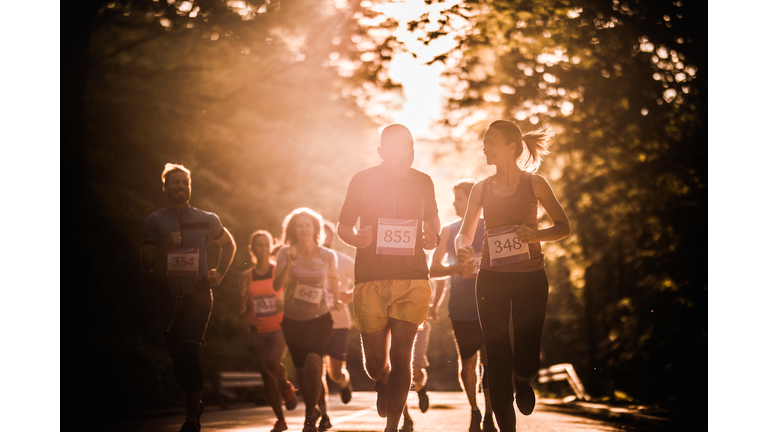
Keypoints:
pixel 469 337
pixel 185 318
pixel 304 337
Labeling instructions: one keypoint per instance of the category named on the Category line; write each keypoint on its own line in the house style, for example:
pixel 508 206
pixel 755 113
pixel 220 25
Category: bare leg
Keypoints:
pixel 321 401
pixel 468 375
pixel 337 370
pixel 270 384
pixel 275 361
pixel 310 382
pixel 403 335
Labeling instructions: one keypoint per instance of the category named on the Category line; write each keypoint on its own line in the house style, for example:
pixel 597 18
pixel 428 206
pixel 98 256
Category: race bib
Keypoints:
pixel 183 262
pixel 396 236
pixel 308 295
pixel 264 306
pixel 506 247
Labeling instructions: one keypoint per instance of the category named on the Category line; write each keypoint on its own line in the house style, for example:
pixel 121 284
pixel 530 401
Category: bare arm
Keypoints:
pixel 431 227
pixel 227 245
pixel 242 283
pixel 561 226
pixel 152 256
pixel 356 238
pixel 463 240
pixel 281 273
pixel 439 295
pixel 437 269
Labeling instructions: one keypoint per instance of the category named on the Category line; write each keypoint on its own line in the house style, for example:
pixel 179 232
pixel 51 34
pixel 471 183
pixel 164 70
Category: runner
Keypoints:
pixel 398 219
pixel 174 244
pixel 335 360
pixel 264 308
pixel 462 307
pixel 308 271
pixel 512 281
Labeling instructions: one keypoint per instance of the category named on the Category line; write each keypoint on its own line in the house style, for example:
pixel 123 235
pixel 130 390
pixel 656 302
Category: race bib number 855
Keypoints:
pixel 505 247
pixel 396 236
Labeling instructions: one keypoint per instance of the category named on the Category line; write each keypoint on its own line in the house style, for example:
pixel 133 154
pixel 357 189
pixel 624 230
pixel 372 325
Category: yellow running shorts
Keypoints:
pixel 375 302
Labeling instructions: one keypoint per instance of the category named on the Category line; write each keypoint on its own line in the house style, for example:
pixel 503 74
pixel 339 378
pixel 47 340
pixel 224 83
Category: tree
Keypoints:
pixel 624 85
pixel 261 100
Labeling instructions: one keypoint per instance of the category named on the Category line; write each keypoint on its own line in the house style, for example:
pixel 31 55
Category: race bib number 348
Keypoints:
pixel 505 247
pixel 183 262
pixel 396 236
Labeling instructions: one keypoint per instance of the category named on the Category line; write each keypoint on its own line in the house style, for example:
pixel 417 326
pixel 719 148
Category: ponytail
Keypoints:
pixel 536 145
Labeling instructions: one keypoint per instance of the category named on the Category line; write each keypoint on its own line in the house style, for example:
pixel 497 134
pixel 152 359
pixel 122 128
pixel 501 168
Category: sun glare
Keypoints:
pixel 421 82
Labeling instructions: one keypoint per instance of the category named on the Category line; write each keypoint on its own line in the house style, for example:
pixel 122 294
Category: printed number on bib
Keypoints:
pixel 506 247
pixel 183 262
pixel 264 306
pixel 308 295
pixel 396 236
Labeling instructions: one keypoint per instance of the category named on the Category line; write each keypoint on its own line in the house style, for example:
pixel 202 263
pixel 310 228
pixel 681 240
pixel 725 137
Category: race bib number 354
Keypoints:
pixel 183 262
pixel 396 236
pixel 505 247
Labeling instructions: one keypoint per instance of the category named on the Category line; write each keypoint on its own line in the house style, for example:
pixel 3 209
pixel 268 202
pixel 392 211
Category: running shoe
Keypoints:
pixel 423 399
pixel 526 399
pixel 325 423
pixel 381 399
pixel 289 396
pixel 488 425
pixel 309 424
pixel 280 426
pixel 346 394
pixel 474 422
pixel 407 425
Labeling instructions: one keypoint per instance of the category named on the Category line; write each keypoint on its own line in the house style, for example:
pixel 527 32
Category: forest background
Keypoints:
pixel 274 105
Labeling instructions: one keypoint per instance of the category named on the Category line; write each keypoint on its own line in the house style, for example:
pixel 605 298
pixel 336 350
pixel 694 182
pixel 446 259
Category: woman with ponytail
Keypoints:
pixel 512 283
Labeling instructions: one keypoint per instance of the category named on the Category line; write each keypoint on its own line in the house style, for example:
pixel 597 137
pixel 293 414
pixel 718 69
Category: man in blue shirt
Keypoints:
pixel 174 244
pixel 462 306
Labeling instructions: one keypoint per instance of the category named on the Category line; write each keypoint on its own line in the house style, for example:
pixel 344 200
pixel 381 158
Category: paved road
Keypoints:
pixel 449 411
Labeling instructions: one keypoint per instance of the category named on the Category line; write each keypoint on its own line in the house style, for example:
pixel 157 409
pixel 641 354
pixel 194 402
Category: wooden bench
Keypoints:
pixel 564 372
pixel 227 381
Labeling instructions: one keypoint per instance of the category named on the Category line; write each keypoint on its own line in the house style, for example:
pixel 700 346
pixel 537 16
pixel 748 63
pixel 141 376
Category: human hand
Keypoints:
pixel 364 237
pixel 462 255
pixel 173 241
pixel 433 317
pixel 469 269
pixel 429 239
pixel 525 234
pixel 292 254
pixel 214 277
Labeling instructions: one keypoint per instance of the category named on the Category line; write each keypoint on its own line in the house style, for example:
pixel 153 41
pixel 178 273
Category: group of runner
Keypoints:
pixel 295 302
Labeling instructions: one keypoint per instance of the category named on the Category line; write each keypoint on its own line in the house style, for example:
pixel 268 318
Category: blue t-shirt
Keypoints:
pixel 462 305
pixel 197 228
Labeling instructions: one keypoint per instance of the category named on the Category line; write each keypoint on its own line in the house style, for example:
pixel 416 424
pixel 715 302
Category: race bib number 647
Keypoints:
pixel 505 247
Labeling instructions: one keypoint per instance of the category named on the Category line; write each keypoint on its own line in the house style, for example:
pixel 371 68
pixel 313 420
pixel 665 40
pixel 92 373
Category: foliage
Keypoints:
pixel 261 100
pixel 623 83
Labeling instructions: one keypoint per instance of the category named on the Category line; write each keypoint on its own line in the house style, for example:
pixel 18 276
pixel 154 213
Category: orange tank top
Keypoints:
pixel 265 306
